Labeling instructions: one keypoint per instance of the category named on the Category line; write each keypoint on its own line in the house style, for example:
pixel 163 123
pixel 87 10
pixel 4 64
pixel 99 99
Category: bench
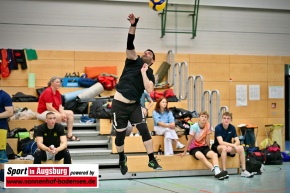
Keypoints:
pixel 175 163
pixel 18 161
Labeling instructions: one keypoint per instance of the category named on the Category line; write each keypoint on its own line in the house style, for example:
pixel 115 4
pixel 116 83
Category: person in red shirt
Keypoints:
pixel 50 101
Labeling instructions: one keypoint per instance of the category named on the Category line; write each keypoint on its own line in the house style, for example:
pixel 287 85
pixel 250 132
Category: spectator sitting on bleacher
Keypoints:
pixel 48 134
pixel 164 124
pixel 198 145
pixel 50 101
pixel 224 134
pixel 6 111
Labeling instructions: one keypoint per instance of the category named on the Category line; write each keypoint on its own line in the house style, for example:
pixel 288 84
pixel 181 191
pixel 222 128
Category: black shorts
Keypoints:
pixel 204 150
pixel 123 112
pixel 214 148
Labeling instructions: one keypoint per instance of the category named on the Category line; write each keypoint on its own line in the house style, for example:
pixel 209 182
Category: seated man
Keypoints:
pixel 198 145
pixel 51 134
pixel 224 134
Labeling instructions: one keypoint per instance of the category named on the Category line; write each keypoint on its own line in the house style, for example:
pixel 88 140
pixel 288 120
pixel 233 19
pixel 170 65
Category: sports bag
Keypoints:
pixel 99 109
pixel 254 166
pixel 273 155
pixel 20 97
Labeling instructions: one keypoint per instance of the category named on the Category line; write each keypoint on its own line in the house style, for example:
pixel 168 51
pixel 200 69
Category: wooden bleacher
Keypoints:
pixel 28 124
pixel 175 162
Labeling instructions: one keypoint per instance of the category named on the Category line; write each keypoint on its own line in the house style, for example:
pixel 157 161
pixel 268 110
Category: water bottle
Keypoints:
pixel 51 156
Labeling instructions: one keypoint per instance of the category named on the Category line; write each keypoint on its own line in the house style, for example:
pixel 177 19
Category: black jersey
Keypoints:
pixel 131 84
pixel 50 136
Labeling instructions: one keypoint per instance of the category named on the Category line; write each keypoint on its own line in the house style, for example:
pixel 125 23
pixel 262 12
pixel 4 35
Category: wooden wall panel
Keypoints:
pixel 181 58
pixel 222 87
pixel 254 109
pixel 286 59
pixel 11 83
pixel 100 56
pixel 275 60
pixel 45 69
pixel 55 55
pixel 209 58
pixel 279 111
pixel 275 72
pixel 18 74
pixel 210 71
pixel 239 59
pixel 13 90
pixel 248 72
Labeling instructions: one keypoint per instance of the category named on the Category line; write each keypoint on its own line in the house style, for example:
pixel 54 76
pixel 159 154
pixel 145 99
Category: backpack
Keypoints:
pixel 23 143
pixel 179 113
pixel 9 152
pixel 29 148
pixel 76 107
pixel 273 155
pixel 20 97
pixel 99 110
pixel 253 165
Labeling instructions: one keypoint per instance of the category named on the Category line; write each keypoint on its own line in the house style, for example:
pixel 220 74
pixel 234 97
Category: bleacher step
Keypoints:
pixel 89 142
pixel 101 162
pixel 78 124
pixel 86 132
pixel 89 151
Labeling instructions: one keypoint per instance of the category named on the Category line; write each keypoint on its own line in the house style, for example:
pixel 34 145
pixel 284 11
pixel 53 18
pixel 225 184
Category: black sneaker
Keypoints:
pixel 227 175
pixel 221 175
pixel 153 164
pixel 123 166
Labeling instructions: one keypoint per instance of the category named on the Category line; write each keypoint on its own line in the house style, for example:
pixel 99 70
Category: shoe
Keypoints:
pixel 153 164
pixel 2 185
pixel 227 174
pixel 221 175
pixel 179 145
pixel 247 174
pixel 131 135
pixel 137 135
pixel 86 119
pixel 123 166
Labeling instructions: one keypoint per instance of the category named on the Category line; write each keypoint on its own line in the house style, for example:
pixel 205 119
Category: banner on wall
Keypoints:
pixel 51 176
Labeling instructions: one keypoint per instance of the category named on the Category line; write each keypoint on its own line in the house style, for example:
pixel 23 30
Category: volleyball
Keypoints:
pixel 157 5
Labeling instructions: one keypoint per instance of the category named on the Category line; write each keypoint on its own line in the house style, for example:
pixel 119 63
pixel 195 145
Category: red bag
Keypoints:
pixel 155 95
pixel 169 93
pixel 108 82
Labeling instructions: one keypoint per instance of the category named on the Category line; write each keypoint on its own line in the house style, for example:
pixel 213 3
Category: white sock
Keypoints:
pixel 216 170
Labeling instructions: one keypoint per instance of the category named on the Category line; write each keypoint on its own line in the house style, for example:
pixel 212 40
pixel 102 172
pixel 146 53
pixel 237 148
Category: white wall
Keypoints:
pixel 223 28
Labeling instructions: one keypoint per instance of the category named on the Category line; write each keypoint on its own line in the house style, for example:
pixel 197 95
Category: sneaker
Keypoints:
pixel 221 175
pixel 2 185
pixel 247 174
pixel 86 119
pixel 227 174
pixel 137 135
pixel 153 164
pixel 179 145
pixel 123 166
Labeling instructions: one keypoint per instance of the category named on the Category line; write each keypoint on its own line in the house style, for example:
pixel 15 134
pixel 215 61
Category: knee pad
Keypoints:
pixel 144 132
pixel 120 137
